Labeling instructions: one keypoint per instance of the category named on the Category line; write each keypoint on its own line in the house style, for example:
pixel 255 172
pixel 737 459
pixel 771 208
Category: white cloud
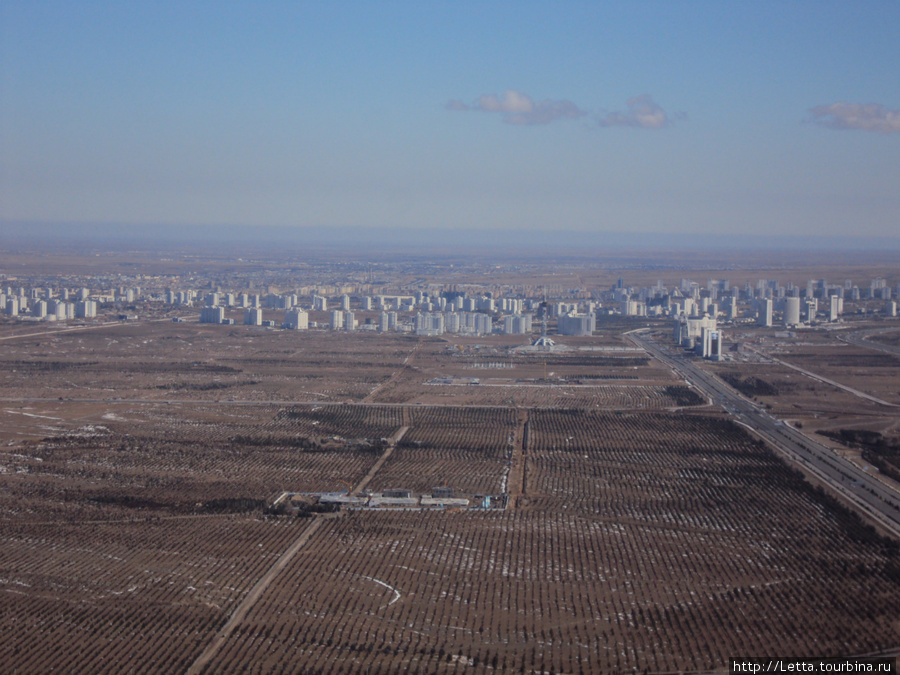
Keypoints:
pixel 456 104
pixel 512 102
pixel 642 112
pixel 865 116
pixel 518 108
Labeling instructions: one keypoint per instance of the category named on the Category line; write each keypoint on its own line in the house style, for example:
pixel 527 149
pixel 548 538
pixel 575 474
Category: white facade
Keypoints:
pixel 451 322
pixel 764 312
pixel 811 307
pixel 576 324
pixel 253 317
pixel 212 315
pixel 835 307
pixel 429 324
pixel 337 319
pixel 791 311
pixel 731 308
pixel 517 324
pixel 86 309
pixel 295 319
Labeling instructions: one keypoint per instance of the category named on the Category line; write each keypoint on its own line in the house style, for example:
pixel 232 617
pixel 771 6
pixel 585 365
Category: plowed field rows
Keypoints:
pixel 112 598
pixel 550 591
pixel 464 448
pixel 657 541
pixel 154 459
pixel 348 421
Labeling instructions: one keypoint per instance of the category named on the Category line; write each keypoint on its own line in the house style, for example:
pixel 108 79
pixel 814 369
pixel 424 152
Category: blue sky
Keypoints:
pixel 692 117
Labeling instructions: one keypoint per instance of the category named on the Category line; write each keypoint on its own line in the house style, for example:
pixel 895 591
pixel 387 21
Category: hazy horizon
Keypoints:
pixel 532 243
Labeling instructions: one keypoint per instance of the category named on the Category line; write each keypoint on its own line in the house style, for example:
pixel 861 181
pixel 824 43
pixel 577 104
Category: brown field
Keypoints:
pixel 645 531
pixel 829 399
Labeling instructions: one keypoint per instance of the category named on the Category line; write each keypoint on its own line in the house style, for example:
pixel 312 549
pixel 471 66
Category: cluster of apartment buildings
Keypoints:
pixel 47 304
pixel 435 312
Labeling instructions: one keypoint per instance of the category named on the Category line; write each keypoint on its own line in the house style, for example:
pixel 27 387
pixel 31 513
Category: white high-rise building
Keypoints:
pixel 484 325
pixel 383 322
pixel 253 316
pixel 834 307
pixel 792 311
pixel 576 324
pixel 632 308
pixel 689 331
pixel 345 302
pixel 39 309
pixel 764 312
pixel 710 344
pixel 486 304
pixel 86 309
pixel 429 324
pixel 811 308
pixel 337 319
pixel 517 324
pixel 349 320
pixel 451 322
pixel 296 319
pixel 212 315
pixel 731 308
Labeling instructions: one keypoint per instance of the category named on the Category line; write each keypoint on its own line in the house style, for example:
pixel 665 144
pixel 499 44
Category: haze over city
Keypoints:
pixel 693 118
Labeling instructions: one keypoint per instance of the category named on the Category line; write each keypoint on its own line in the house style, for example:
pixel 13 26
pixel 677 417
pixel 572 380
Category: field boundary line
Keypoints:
pixel 403 366
pixel 392 443
pixel 515 485
pixel 824 380
pixel 250 599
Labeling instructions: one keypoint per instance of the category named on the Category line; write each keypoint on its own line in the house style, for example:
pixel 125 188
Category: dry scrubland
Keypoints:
pixel 829 399
pixel 650 533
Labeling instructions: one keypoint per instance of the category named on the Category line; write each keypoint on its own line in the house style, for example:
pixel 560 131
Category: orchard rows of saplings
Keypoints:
pixel 557 590
pixel 114 597
pixel 657 541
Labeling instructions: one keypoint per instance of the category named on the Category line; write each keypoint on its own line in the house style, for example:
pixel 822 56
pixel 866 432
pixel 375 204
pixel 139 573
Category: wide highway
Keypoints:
pixel 862 488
